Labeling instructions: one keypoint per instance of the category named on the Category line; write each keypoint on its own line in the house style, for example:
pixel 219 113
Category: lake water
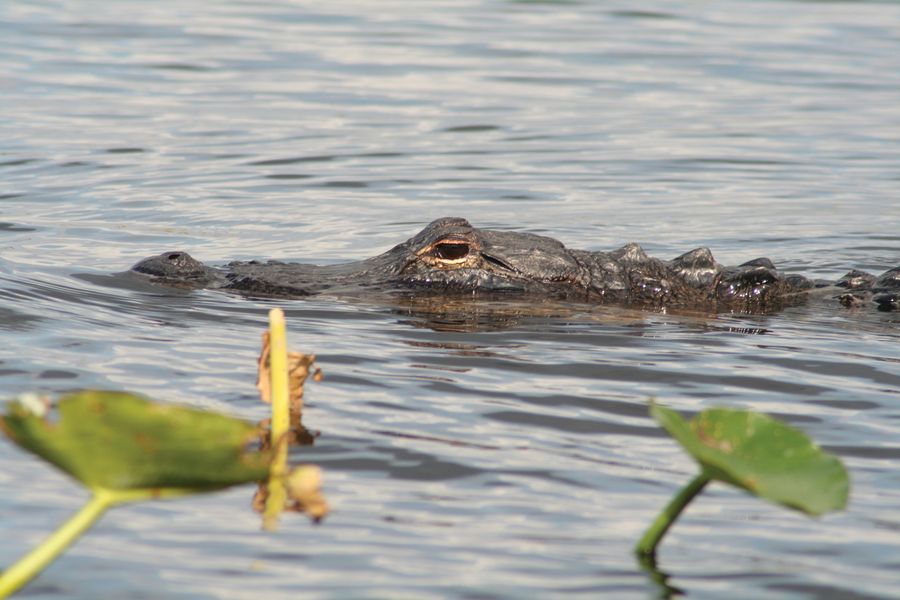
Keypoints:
pixel 470 449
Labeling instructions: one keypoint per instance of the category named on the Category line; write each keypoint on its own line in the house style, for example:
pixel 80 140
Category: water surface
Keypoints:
pixel 471 449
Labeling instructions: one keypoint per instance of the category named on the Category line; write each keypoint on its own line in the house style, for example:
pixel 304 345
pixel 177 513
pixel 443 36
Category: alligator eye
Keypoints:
pixel 451 251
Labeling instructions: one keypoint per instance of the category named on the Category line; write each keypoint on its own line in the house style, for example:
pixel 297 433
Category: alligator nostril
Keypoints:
pixel 173 255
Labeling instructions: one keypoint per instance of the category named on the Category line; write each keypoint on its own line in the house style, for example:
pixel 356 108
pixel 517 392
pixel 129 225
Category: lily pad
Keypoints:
pixel 119 441
pixel 761 455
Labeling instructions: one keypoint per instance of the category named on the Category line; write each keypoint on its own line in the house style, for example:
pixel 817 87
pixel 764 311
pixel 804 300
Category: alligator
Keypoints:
pixel 451 257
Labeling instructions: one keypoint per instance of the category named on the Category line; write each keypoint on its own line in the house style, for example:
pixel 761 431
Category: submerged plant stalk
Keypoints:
pixel 659 527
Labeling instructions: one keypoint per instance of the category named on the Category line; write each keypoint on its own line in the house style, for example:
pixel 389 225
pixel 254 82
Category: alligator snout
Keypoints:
pixel 178 266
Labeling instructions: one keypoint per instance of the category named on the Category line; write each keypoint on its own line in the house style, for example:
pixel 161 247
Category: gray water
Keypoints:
pixel 470 449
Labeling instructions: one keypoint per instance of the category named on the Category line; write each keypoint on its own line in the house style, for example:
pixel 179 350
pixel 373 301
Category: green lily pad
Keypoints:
pixel 761 455
pixel 119 441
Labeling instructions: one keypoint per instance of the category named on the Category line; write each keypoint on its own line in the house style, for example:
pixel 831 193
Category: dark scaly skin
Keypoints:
pixel 450 256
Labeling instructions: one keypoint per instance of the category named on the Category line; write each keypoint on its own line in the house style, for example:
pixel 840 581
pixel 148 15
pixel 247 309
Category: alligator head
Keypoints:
pixel 450 256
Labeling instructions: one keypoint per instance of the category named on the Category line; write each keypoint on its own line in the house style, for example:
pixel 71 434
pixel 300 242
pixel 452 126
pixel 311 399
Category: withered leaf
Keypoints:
pixel 299 368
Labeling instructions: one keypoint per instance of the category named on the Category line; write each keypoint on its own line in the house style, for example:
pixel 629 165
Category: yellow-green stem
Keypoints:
pixel 280 415
pixel 659 527
pixel 35 561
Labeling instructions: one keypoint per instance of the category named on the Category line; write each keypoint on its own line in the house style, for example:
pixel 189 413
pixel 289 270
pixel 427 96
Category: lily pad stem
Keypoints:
pixel 34 562
pixel 659 527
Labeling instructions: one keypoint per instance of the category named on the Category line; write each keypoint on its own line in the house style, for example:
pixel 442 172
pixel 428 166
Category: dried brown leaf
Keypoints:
pixel 299 367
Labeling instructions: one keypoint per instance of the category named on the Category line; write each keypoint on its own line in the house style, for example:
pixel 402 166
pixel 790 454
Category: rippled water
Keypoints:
pixel 471 449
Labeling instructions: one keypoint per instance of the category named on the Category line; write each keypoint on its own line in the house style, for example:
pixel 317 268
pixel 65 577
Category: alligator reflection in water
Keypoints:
pixel 450 257
pixel 455 314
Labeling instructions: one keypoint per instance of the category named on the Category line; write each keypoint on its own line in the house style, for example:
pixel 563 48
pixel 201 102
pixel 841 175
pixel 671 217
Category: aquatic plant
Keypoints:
pixel 280 397
pixel 280 382
pixel 753 452
pixel 125 448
